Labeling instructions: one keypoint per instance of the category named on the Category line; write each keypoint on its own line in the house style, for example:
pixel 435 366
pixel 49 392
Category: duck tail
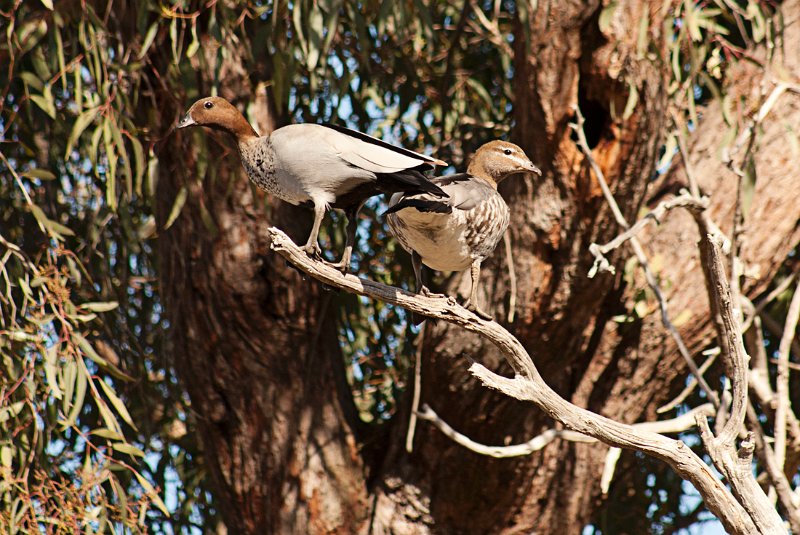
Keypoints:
pixel 409 182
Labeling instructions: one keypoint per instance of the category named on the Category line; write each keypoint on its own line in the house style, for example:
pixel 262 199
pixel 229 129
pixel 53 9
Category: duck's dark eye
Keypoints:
pixel 507 152
pixel 208 105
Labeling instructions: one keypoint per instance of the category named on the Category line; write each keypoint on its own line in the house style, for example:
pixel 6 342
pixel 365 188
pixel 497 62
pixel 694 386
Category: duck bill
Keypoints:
pixel 186 121
pixel 533 169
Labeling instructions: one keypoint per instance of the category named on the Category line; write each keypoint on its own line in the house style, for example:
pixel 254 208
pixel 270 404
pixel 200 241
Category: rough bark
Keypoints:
pixel 258 351
pixel 624 371
pixel 254 344
pixel 554 221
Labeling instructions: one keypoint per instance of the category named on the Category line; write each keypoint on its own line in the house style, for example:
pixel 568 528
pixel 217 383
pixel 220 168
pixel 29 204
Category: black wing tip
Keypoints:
pixel 429 161
pixel 421 205
pixel 433 189
pixel 410 182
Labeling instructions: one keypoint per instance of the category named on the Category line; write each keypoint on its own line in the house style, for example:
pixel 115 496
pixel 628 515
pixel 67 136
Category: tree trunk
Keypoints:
pixel 255 344
pixel 257 347
pixel 623 371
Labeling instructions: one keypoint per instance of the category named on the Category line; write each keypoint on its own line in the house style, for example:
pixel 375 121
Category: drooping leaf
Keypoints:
pixel 118 404
pixel 84 119
pixel 151 493
pixel 41 174
pixel 177 206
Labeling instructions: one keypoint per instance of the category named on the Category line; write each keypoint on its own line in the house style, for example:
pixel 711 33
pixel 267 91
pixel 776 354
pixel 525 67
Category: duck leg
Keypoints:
pixel 416 262
pixel 469 304
pixel 351 213
pixel 312 245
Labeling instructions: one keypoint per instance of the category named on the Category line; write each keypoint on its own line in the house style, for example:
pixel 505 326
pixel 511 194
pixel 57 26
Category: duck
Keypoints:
pixel 319 165
pixel 460 231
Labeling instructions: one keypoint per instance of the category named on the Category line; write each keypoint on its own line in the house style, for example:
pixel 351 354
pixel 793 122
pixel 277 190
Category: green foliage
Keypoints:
pixel 94 427
pixel 704 40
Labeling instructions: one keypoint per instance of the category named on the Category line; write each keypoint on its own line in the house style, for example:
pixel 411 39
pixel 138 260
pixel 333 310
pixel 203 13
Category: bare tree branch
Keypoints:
pixel 642 258
pixel 735 465
pixel 673 425
pixel 736 358
pixel 501 452
pixel 529 385
pixel 610 466
pixel 776 475
pixel 690 385
pixel 784 407
pixel 769 298
pixel 684 200
pixel 512 278
pixel 412 418
pixel 776 329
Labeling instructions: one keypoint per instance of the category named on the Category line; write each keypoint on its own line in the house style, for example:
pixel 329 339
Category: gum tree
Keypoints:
pixel 155 349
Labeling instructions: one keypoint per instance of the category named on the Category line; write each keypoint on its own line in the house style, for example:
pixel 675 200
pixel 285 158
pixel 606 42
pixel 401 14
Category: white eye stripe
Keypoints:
pixel 519 158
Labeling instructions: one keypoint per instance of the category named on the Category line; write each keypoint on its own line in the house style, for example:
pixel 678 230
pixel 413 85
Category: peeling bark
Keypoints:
pixel 256 346
pixel 624 371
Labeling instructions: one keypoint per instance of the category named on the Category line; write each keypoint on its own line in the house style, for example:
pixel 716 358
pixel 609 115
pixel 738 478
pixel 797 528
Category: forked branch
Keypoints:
pixel 529 385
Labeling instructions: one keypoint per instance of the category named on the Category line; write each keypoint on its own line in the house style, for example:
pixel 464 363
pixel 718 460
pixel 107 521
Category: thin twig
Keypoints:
pixel 776 329
pixel 782 381
pixel 684 200
pixel 770 297
pixel 412 418
pixel 791 365
pixel 690 385
pixel 758 378
pixel 694 185
pixel 642 258
pixel 512 278
pixel 501 452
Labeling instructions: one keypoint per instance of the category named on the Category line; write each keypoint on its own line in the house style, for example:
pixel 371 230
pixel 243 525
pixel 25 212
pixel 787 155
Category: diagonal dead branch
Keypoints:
pixel 762 303
pixel 512 278
pixel 733 353
pixel 642 258
pixel 609 467
pixel 417 390
pixel 529 385
pixel 766 456
pixel 691 384
pixel 501 452
pixel 784 408
pixel 684 200
pixel 735 464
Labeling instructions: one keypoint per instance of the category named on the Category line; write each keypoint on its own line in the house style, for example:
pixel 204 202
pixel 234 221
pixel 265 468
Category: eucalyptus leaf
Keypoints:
pixel 151 493
pixel 128 449
pixel 40 174
pixel 177 206
pixel 118 404
pixel 84 120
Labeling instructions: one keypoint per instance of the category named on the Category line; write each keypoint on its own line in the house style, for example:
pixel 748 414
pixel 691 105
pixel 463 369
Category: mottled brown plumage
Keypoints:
pixel 459 232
